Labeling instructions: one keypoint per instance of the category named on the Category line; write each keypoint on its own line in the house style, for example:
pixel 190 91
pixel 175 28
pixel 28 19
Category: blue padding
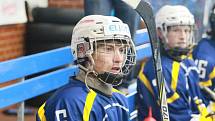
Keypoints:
pixel 142 44
pixel 35 86
pixel 27 65
pixel 131 98
pixel 141 37
pixel 143 51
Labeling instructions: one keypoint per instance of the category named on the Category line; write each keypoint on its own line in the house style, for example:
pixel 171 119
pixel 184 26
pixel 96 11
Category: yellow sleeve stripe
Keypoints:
pixel 41 113
pixel 88 105
pixel 175 72
pixel 145 80
pixel 206 83
pixel 212 74
pixel 174 97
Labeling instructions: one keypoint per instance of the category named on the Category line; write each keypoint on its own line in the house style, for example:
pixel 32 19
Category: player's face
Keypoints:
pixel 109 57
pixel 178 36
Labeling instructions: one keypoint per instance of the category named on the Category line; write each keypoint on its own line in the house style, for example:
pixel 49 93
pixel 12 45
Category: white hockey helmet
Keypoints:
pixel 175 15
pixel 94 28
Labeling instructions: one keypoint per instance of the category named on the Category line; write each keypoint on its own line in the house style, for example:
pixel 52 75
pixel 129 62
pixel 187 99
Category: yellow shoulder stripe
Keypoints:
pixel 41 113
pixel 117 91
pixel 212 74
pixel 145 80
pixel 175 72
pixel 88 105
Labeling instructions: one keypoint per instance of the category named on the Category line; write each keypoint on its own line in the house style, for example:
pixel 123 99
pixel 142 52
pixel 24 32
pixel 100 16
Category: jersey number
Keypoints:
pixel 60 112
pixel 202 64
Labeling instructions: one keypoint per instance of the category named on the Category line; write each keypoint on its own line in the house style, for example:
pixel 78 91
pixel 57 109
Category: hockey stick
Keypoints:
pixel 208 91
pixel 145 11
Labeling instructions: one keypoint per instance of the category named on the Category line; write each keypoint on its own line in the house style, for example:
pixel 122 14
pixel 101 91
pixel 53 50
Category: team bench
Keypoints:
pixel 59 66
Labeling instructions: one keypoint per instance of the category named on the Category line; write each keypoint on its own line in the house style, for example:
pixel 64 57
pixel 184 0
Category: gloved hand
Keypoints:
pixel 203 111
pixel 198 117
pixel 195 117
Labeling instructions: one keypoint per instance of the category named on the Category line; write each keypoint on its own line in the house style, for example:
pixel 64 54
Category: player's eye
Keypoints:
pixel 109 49
pixel 187 30
pixel 122 50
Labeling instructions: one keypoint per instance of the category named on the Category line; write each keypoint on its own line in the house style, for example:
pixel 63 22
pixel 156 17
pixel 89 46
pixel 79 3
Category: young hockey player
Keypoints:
pixel 204 56
pixel 175 28
pixel 105 53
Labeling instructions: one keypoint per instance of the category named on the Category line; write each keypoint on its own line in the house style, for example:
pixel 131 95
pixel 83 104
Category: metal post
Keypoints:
pixel 21 108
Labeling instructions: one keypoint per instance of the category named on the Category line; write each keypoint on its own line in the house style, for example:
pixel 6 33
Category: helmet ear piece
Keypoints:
pixel 82 50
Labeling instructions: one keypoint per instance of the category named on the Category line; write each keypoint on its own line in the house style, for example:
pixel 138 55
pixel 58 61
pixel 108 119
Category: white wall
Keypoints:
pixel 37 3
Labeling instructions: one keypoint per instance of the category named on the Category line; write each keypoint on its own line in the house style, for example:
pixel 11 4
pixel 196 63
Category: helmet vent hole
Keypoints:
pixel 115 21
pixel 99 22
pixel 173 18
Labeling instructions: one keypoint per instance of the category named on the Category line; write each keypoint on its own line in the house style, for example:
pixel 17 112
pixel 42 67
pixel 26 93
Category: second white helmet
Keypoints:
pixel 173 15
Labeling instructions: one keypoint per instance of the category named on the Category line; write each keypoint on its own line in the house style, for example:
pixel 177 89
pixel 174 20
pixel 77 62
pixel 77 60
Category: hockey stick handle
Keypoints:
pixel 145 11
pixel 208 91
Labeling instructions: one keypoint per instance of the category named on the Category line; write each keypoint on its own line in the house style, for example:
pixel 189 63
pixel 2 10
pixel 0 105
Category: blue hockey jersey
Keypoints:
pixel 204 56
pixel 74 102
pixel 181 80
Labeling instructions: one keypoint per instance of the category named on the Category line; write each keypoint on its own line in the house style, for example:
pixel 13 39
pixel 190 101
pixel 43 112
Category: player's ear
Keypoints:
pixel 160 34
